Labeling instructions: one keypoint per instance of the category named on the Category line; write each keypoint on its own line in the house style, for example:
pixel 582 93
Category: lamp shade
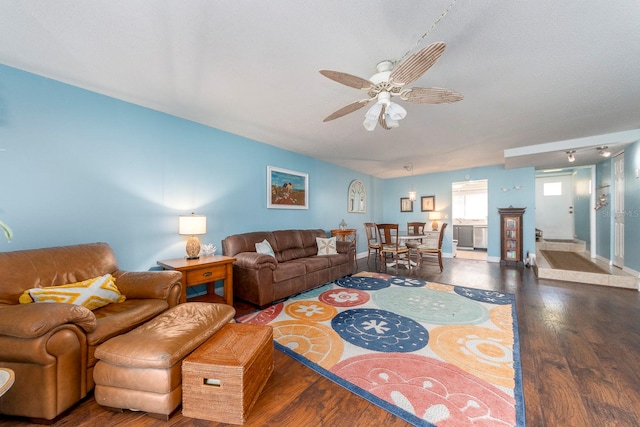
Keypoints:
pixel 192 224
pixel 435 216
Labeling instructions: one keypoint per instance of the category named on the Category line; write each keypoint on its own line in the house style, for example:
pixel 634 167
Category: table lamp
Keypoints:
pixel 435 216
pixel 192 225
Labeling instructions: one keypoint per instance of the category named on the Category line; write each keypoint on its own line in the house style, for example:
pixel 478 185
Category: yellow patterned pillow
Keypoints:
pixel 93 293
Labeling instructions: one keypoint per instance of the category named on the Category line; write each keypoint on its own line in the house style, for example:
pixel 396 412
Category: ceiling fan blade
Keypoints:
pixel 347 109
pixel 417 64
pixel 431 95
pixel 347 79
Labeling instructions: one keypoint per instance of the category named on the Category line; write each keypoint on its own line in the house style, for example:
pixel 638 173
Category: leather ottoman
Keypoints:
pixel 142 370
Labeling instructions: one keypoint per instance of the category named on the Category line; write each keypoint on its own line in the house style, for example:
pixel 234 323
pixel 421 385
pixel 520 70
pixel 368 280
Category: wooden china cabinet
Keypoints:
pixel 511 235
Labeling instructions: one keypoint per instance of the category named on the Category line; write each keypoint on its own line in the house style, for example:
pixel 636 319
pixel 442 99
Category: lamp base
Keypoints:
pixel 193 247
pixel 434 226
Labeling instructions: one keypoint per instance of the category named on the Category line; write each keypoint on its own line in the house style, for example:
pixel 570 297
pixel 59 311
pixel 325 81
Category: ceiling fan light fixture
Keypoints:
pixel 396 111
pixel 390 122
pixel 370 124
pixel 374 112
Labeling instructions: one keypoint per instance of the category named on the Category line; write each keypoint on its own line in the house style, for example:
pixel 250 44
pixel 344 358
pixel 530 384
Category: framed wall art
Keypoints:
pixel 357 197
pixel 428 203
pixel 406 204
pixel 287 189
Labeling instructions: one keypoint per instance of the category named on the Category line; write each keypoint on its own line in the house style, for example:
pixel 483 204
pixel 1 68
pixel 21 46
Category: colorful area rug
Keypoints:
pixel 432 354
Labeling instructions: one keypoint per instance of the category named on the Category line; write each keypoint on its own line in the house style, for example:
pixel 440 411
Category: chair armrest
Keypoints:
pixel 147 284
pixel 255 260
pixel 36 319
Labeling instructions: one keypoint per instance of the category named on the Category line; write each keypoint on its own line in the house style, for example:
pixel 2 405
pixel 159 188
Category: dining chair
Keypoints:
pixel 432 251
pixel 414 228
pixel 390 246
pixel 373 243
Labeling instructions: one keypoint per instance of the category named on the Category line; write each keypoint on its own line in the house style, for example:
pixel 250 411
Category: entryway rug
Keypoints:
pixel 564 260
pixel 432 354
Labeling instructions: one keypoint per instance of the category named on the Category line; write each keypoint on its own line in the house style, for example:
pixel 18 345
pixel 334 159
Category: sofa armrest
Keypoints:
pixel 345 247
pixel 37 319
pixel 147 284
pixel 255 260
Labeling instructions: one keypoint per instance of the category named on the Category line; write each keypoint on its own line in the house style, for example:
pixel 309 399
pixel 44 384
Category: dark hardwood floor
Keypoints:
pixel 580 351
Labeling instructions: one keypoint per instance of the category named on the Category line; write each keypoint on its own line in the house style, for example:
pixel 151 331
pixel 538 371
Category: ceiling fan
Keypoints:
pixel 390 81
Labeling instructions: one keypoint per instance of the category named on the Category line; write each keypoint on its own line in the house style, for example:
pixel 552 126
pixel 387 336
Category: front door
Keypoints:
pixel 554 206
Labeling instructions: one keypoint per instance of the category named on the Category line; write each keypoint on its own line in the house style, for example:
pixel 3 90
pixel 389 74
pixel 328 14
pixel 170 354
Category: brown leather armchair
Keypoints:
pixel 50 347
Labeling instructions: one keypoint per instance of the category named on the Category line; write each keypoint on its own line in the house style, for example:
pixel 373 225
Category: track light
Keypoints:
pixel 603 151
pixel 570 157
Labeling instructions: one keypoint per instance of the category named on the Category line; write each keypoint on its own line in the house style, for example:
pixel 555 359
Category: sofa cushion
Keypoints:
pixel 326 246
pixel 288 245
pixel 115 319
pixel 92 293
pixel 338 259
pixel 246 242
pixel 288 270
pixel 314 263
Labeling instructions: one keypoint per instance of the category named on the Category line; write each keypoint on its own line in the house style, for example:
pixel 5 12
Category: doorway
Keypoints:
pixel 469 211
pixel 555 206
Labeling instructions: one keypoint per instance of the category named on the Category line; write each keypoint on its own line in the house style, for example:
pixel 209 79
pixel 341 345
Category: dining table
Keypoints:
pixel 403 239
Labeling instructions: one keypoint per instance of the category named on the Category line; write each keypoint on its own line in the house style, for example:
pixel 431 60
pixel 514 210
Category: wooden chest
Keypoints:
pixel 221 380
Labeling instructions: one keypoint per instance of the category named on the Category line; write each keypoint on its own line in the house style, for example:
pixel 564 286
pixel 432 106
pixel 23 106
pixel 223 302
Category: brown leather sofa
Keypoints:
pixel 51 346
pixel 262 279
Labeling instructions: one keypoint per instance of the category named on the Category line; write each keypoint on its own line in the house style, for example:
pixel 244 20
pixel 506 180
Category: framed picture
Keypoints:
pixel 428 203
pixel 406 205
pixel 287 189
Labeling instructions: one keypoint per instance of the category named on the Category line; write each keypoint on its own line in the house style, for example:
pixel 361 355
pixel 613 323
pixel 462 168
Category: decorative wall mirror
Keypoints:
pixel 357 197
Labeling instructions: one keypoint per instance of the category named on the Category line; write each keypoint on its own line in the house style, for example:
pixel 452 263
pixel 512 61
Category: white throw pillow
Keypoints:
pixel 326 246
pixel 265 248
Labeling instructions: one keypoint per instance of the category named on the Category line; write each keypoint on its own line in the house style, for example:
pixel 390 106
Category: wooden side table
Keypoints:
pixel 347 235
pixel 206 269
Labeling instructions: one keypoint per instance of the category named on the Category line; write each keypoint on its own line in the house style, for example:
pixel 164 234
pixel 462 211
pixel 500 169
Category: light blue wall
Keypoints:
pixel 632 207
pixel 582 204
pixel 81 167
pixel 439 185
pixel 604 215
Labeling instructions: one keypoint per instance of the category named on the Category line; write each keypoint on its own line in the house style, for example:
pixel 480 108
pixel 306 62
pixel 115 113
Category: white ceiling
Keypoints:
pixel 532 72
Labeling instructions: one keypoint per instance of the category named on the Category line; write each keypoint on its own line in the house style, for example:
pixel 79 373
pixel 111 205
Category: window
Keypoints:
pixel 552 189
pixel 470 205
